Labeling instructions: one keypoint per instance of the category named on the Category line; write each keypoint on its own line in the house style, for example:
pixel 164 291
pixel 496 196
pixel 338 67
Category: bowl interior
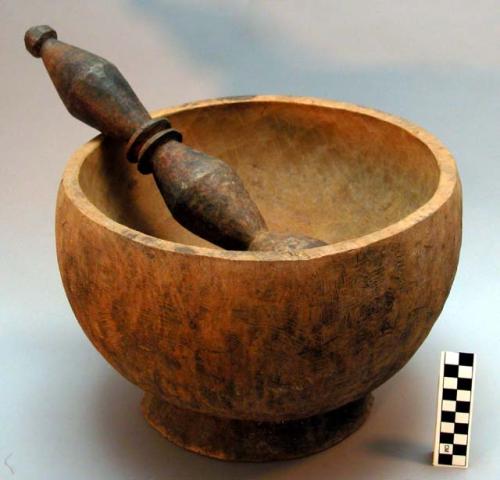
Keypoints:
pixel 330 173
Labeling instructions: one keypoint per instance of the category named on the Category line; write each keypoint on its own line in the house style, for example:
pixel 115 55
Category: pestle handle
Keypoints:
pixel 95 92
pixel 92 89
pixel 203 193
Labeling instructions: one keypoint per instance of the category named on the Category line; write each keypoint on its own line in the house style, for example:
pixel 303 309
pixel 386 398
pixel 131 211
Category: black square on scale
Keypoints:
pixel 451 371
pixel 464 384
pixel 448 417
pixel 463 407
pixel 460 450
pixel 466 359
pixel 445 459
pixel 449 394
pixel 462 428
pixel 446 437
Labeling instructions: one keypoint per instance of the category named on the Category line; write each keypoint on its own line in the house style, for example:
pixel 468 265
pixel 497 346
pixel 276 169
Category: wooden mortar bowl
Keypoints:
pixel 262 355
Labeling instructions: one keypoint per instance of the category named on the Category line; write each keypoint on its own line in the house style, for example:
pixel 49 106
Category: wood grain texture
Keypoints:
pixel 267 336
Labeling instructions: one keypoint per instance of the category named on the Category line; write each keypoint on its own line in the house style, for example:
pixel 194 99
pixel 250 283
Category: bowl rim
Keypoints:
pixel 448 179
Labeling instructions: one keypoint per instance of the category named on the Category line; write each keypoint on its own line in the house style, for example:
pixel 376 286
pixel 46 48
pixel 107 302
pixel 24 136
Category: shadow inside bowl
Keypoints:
pixel 325 171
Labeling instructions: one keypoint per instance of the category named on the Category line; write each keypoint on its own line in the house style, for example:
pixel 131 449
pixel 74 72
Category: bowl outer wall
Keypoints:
pixel 256 335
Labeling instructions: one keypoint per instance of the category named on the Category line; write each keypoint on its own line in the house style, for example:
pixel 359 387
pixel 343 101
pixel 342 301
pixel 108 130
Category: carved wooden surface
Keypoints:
pixel 266 336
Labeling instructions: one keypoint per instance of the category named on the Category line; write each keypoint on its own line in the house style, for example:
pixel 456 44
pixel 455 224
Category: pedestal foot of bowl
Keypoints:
pixel 252 441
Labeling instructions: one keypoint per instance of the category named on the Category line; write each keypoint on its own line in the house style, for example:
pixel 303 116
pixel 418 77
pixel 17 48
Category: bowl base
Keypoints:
pixel 252 441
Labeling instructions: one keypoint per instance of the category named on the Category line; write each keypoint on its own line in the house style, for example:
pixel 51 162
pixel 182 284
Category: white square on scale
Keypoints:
pixel 450 382
pixel 461 417
pixel 447 427
pixel 464 371
pixel 458 460
pixel 451 358
pixel 459 439
pixel 446 448
pixel 449 405
pixel 463 395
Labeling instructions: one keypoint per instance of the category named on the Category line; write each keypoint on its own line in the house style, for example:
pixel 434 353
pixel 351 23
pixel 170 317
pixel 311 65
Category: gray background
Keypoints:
pixel 64 413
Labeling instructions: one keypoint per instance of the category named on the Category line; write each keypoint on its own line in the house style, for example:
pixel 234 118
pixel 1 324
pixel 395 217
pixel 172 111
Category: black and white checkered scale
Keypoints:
pixel 454 411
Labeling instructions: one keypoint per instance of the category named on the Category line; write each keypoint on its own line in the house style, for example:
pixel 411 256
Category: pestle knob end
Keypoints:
pixel 35 37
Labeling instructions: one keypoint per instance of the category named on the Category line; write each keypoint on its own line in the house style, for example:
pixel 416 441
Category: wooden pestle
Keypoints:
pixel 203 193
